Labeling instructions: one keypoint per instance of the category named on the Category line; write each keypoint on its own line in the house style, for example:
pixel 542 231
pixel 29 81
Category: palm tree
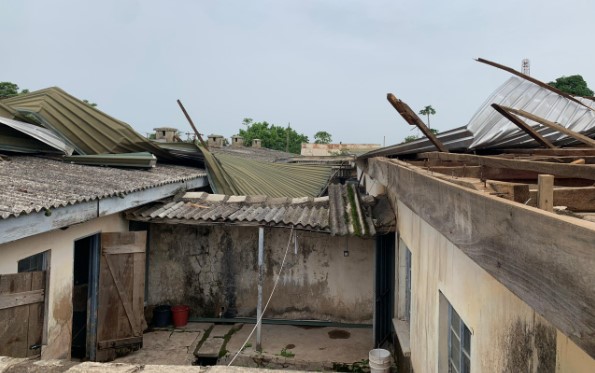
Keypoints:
pixel 428 110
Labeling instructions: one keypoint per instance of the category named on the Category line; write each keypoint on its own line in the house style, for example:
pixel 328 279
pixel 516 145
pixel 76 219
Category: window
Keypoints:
pixel 459 343
pixel 33 263
pixel 404 283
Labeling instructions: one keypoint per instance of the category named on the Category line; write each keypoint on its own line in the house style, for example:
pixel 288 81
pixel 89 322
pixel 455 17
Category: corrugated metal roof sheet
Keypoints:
pixel 87 129
pixel 233 175
pixel 488 129
pixel 31 184
pixel 27 131
pixel 492 130
pixel 341 213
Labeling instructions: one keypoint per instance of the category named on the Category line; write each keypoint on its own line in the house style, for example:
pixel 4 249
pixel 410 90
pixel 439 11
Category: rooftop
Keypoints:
pixel 342 212
pixel 32 184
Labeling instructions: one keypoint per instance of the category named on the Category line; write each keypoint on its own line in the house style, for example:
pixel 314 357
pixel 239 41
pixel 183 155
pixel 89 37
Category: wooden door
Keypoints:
pixel 21 313
pixel 121 291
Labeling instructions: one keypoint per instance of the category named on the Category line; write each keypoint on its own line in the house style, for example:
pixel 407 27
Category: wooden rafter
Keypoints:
pixel 579 171
pixel 410 117
pixel 553 125
pixel 524 126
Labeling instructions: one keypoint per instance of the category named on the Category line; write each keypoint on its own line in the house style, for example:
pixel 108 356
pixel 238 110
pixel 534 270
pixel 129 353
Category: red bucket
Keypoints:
pixel 180 315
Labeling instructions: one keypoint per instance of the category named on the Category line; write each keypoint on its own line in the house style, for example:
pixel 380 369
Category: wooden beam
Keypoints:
pixel 578 199
pixel 545 192
pixel 512 191
pixel 570 152
pixel 410 117
pixel 555 126
pixel 545 259
pixel 192 125
pixel 524 126
pixel 532 80
pixel 579 171
pixel 21 299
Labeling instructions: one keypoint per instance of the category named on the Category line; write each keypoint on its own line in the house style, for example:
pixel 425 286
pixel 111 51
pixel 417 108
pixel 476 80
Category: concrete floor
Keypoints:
pixel 313 348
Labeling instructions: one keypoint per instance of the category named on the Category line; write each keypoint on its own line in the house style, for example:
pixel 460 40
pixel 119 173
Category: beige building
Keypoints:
pixel 52 219
pixel 483 282
pixel 319 150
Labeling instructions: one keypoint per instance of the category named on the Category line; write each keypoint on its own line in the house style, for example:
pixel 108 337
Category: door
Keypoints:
pixel 120 290
pixel 21 313
pixel 384 287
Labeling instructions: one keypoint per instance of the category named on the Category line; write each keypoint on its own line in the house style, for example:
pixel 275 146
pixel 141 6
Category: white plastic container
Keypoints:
pixel 379 360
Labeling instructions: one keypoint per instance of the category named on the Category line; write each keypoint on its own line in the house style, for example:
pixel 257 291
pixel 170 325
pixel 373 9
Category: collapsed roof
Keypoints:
pixel 488 129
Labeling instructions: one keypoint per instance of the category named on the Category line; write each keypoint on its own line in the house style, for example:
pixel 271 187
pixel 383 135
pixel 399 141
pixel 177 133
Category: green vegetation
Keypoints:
pixel 361 366
pixel 428 110
pixel 357 228
pixel 322 137
pixel 411 138
pixel 574 85
pixel 273 136
pixel 8 89
pixel 285 353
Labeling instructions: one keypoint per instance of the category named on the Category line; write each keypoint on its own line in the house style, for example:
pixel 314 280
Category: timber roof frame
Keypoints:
pixel 544 258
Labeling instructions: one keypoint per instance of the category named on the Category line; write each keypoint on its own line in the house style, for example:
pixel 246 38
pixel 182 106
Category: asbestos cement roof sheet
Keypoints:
pixel 342 212
pixel 236 175
pixel 32 184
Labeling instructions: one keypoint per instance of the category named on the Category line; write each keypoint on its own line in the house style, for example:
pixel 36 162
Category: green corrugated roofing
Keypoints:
pixel 235 175
pixel 141 159
pixel 88 130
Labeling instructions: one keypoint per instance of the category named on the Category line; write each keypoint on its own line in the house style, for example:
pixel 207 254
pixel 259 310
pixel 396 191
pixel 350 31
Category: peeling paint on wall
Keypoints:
pixel 214 270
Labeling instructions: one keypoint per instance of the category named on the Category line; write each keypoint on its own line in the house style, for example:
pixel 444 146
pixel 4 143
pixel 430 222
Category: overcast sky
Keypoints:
pixel 320 65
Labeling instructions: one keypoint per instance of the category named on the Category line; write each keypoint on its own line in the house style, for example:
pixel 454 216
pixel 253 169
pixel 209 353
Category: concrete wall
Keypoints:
pixel 336 149
pixel 507 334
pixel 213 267
pixel 61 246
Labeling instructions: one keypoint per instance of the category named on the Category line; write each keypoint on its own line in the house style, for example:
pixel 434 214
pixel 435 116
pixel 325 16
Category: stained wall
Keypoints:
pixel 214 269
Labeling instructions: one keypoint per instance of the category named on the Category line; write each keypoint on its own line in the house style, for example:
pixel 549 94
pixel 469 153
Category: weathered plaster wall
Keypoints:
pixel 213 267
pixel 61 246
pixel 507 335
pixel 333 149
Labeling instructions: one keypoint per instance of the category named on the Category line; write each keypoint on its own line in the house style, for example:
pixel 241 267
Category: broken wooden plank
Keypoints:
pixel 580 171
pixel 123 249
pixel 553 125
pixel 549 264
pixel 410 117
pixel 524 126
pixel 545 192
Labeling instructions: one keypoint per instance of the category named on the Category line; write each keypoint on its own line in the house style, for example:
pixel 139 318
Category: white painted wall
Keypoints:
pixel 61 246
pixel 488 308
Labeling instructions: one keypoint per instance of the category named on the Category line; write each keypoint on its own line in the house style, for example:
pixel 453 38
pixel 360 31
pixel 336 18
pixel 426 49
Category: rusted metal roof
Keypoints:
pixel 32 184
pixel 342 212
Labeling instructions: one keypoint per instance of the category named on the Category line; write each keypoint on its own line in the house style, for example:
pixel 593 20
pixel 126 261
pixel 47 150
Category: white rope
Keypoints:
pixel 268 301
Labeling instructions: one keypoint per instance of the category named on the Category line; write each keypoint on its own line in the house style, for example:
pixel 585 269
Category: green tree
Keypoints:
pixel 574 85
pixel 272 136
pixel 322 137
pixel 427 111
pixel 8 89
pixel 411 138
